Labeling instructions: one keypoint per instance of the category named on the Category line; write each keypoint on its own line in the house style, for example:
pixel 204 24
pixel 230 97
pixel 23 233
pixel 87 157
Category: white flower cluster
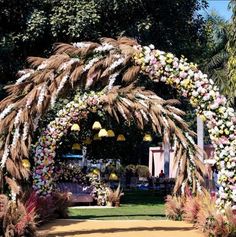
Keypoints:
pixel 112 79
pixel 61 85
pixel 17 118
pixel 43 65
pixel 68 63
pixel 91 63
pixel 13 196
pixel 25 131
pixel 41 95
pixel 15 137
pixel 116 63
pixel 6 111
pixel 4 157
pixel 81 45
pixel 24 76
pixel 104 48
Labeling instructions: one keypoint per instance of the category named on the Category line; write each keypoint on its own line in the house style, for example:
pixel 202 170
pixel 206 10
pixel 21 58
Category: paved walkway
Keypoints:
pixel 119 228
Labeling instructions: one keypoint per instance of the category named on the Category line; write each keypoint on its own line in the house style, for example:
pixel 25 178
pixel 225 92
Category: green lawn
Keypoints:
pixel 135 205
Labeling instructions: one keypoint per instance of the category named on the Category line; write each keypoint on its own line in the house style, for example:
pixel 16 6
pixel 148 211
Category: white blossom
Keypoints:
pixel 25 131
pixel 61 85
pixel 43 65
pixel 66 64
pixel 4 157
pixel 17 118
pixel 24 77
pixel 112 79
pixel 103 48
pixel 6 111
pixel 41 95
pixel 81 45
pixel 91 63
pixel 116 63
pixel 15 137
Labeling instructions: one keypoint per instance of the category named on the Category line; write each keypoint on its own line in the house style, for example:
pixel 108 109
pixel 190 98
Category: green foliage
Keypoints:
pixel 216 60
pixel 73 18
pixel 30 27
pixel 231 48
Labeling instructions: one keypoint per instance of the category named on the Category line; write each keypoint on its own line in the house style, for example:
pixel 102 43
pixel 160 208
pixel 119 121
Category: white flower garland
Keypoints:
pixel 5 156
pixel 6 111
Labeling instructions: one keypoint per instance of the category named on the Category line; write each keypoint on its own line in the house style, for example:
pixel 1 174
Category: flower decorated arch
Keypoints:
pixel 111 66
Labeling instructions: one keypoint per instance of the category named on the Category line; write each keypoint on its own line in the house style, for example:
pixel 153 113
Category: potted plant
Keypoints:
pixel 142 171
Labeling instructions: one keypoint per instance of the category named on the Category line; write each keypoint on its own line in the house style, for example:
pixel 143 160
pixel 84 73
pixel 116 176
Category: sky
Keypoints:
pixel 220 6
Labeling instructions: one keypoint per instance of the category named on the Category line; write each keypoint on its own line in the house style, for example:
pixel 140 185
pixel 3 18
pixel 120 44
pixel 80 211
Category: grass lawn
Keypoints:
pixel 135 205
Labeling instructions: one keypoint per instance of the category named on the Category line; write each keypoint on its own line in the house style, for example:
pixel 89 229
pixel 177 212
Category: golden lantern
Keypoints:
pixel 75 127
pixel 76 146
pixel 96 171
pixel 97 125
pixel 103 133
pixel 147 137
pixel 26 164
pixel 121 138
pixel 87 141
pixel 96 137
pixel 110 133
pixel 113 177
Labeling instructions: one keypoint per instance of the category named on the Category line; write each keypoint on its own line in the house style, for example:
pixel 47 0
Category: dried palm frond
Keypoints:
pixel 13 185
pixel 75 64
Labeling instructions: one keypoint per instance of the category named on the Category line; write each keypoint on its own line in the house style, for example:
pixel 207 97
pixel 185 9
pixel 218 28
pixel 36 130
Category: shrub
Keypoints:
pixel 174 207
pixel 142 171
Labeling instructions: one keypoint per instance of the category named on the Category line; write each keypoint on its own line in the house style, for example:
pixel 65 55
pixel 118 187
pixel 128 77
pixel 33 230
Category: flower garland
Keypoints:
pixel 45 150
pixel 209 104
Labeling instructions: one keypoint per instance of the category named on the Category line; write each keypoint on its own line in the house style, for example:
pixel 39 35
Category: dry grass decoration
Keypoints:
pixel 107 67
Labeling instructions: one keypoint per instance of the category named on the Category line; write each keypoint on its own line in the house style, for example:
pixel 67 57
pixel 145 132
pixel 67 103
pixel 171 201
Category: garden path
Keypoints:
pixel 119 228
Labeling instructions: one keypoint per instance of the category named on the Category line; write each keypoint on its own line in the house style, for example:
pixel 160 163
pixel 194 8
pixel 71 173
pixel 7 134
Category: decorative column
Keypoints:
pixel 167 159
pixel 200 134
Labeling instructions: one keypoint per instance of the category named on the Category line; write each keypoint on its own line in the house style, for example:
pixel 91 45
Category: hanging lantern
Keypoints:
pixel 96 137
pixel 76 146
pixel 26 164
pixel 103 133
pixel 75 127
pixel 97 125
pixel 147 137
pixel 121 138
pixel 96 171
pixel 110 133
pixel 87 141
pixel 113 177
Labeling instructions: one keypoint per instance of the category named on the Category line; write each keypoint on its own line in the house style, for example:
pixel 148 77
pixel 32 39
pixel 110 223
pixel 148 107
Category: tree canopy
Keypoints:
pixel 30 27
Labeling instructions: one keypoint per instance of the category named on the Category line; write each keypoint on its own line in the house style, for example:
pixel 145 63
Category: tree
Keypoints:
pixel 216 55
pixel 31 27
pixel 231 47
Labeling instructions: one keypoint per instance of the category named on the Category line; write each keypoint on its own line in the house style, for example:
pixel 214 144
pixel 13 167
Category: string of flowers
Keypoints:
pixel 45 150
pixel 209 104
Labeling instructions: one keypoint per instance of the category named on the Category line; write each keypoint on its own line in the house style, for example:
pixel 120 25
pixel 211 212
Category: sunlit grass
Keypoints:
pixel 136 205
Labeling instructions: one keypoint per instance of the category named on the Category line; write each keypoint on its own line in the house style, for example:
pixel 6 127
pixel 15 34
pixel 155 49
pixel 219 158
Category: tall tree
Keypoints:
pixel 231 47
pixel 30 27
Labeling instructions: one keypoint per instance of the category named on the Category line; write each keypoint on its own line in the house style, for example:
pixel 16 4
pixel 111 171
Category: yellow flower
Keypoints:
pixel 170 60
pixel 221 110
pixel 185 82
pixel 226 131
pixel 169 81
pixel 203 117
pixel 169 55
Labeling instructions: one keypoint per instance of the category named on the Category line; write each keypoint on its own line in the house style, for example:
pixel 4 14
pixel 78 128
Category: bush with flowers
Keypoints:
pixel 68 172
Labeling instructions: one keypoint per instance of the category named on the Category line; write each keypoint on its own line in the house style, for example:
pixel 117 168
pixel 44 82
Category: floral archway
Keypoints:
pixel 111 66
